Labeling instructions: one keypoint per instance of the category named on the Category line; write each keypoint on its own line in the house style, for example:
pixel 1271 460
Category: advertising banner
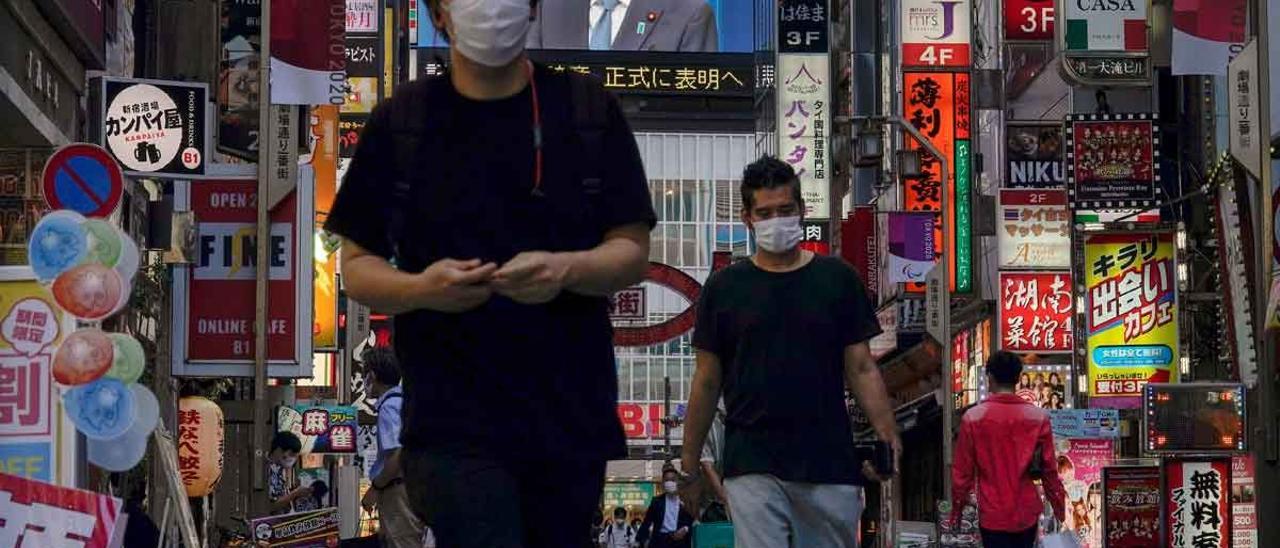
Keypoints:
pixel 40 514
pixel 804 116
pixel 1033 153
pixel 1028 20
pixel 628 495
pixel 1034 229
pixel 1035 312
pixel 1197 505
pixel 1131 315
pixel 1085 423
pixel 860 246
pixel 911 247
pixel 214 297
pixel 935 34
pixel 308 52
pixel 1131 506
pixel 1080 464
pixel 1206 35
pixel 1112 161
pixel 322 428
pixel 324 162
pixel 1046 386
pixel 317 529
pixel 937 104
pixel 238 85
pixel 1244 503
pixel 155 128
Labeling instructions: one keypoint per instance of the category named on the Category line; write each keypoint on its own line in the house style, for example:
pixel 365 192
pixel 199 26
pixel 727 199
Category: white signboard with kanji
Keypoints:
pixel 1034 229
pixel 804 123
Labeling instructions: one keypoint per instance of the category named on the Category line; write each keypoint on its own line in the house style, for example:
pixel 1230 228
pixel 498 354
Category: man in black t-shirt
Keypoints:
pixel 783 334
pixel 512 201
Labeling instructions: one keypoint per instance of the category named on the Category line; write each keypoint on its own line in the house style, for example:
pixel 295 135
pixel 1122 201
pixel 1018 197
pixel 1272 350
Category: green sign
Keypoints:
pixel 628 495
pixel 964 220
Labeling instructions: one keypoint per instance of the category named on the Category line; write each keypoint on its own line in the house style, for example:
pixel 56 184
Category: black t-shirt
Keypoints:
pixel 505 375
pixel 780 338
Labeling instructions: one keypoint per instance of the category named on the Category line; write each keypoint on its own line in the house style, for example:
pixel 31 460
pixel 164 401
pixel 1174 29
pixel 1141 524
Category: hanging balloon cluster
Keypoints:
pixel 88 265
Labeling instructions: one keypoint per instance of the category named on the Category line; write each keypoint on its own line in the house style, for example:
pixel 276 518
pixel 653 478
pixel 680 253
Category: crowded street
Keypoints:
pixel 639 274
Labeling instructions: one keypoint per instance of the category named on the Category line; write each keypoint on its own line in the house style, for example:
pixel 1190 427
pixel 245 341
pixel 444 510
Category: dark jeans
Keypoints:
pixel 1003 539
pixel 474 499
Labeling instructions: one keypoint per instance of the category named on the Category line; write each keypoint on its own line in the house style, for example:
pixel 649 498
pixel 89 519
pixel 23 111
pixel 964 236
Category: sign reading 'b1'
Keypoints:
pixel 935 33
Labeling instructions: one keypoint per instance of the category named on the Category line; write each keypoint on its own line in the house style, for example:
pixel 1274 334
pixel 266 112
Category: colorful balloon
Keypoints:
pixel 84 357
pixel 102 409
pixel 58 243
pixel 127 265
pixel 126 451
pixel 128 359
pixel 90 291
pixel 103 243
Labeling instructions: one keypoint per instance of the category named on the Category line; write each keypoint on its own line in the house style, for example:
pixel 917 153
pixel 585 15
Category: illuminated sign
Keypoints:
pixel 1200 417
pixel 935 33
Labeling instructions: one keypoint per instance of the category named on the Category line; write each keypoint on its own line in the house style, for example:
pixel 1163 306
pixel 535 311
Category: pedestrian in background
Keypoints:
pixel 513 202
pixel 617 533
pixel 668 522
pixel 715 507
pixel 781 336
pixel 398 526
pixel 283 489
pixel 1005 445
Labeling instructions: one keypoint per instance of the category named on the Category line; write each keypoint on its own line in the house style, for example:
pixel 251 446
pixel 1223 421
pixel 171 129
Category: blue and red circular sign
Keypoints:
pixel 83 178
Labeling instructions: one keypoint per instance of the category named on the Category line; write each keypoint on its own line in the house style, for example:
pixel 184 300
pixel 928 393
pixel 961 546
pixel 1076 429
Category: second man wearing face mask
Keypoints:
pixel 668 522
pixel 783 335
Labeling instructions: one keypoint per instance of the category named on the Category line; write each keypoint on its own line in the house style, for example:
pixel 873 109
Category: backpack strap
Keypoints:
pixel 381 401
pixel 590 121
pixel 410 120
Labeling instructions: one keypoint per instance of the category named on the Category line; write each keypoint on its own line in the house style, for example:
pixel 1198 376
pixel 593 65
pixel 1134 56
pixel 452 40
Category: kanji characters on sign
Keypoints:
pixel 1035 312
pixel 24 395
pixel 628 304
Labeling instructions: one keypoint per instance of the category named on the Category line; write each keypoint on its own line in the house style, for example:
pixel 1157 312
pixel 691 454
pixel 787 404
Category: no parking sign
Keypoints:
pixel 83 178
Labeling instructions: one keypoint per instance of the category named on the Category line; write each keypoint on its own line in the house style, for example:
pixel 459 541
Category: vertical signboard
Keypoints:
pixel 1131 315
pixel 1197 503
pixel 214 297
pixel 362 16
pixel 912 253
pixel 1035 312
pixel 1112 161
pixel 1245 128
pixel 1244 503
pixel 237 94
pixel 1131 506
pixel 935 33
pixel 324 161
pixel 937 104
pixel 804 99
pixel 1034 229
pixel 1080 467
pixel 860 247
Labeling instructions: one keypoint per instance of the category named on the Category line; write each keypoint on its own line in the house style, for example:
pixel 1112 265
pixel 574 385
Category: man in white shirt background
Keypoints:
pixel 397 524
pixel 668 523
pixel 625 25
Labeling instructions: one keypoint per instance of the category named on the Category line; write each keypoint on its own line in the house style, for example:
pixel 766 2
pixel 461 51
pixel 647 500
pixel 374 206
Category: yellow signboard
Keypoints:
pixel 324 158
pixel 1131 321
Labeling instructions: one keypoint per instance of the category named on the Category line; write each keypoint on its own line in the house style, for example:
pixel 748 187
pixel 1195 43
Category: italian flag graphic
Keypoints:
pixel 1116 34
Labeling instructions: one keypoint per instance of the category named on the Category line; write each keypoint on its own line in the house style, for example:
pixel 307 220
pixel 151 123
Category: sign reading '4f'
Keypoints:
pixel 935 33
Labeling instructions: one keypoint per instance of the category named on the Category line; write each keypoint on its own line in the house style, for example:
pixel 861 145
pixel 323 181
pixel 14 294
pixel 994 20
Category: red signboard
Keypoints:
pixel 1197 503
pixel 1028 19
pixel 937 104
pixel 641 420
pixel 1244 503
pixel 1035 312
pixel 858 246
pixel 41 514
pixel 1131 506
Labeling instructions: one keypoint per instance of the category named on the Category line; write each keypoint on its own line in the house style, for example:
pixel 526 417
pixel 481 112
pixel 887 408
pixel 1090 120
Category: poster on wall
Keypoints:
pixel 1080 464
pixel 1034 229
pixel 1131 506
pixel 155 128
pixel 1035 312
pixel 1033 153
pixel 1112 160
pixel 1244 502
pixel 1085 423
pixel 214 296
pixel 935 34
pixel 238 85
pixel 1131 315
pixel 937 104
pixel 1197 503
pixel 1046 386
pixel 804 116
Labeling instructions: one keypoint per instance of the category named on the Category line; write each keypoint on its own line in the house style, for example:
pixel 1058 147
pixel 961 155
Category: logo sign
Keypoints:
pixel 328 429
pixel 1106 25
pixel 1131 315
pixel 1112 161
pixel 1034 229
pixel 41 514
pixel 308 52
pixel 1035 312
pixel 860 247
pixel 1131 506
pixel 628 304
pixel 676 280
pixel 1245 127
pixel 318 528
pixel 214 297
pixel 1197 503
pixel 1028 20
pixel 935 33
pixel 1034 155
pixel 911 246
pixel 83 178
pixel 803 26
pixel 155 128
pixel 937 104
pixel 804 117
pixel 642 421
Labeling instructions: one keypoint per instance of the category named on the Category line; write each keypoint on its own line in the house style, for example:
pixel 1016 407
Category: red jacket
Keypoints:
pixel 997 440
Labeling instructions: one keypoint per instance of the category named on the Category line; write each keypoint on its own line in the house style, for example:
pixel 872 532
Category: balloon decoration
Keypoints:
pixel 84 357
pixel 126 451
pixel 200 445
pixel 88 262
pixel 101 410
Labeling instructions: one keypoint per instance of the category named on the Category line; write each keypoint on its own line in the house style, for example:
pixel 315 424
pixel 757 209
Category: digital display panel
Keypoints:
pixel 1201 417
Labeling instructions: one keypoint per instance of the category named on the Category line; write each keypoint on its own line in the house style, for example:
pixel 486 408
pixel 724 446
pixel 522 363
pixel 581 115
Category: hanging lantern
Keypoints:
pixel 200 445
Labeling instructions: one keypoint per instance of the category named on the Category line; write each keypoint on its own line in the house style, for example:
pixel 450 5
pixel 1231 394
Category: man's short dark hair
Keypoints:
pixel 619 512
pixel 383 365
pixel 765 173
pixel 434 5
pixel 1004 368
pixel 286 441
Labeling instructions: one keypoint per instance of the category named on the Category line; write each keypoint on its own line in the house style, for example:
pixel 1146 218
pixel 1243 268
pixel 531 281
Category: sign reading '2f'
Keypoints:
pixel 935 33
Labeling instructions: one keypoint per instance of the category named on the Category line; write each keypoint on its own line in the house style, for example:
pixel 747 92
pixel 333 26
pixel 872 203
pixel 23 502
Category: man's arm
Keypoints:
pixel 650 518
pixel 717 482
pixel 390 470
pixel 862 377
pixel 704 391
pixel 536 277
pixel 962 470
pixel 1049 464
pixel 446 286
pixel 700 34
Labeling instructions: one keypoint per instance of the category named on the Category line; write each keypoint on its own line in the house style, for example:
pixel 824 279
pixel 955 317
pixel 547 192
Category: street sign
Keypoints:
pixel 933 303
pixel 1245 127
pixel 83 178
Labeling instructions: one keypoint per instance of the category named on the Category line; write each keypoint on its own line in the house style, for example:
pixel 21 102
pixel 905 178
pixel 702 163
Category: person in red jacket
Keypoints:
pixel 998 441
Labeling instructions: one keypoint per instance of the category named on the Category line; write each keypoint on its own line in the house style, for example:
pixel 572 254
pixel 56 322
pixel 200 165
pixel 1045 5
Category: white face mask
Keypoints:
pixel 669 487
pixel 489 32
pixel 288 462
pixel 779 234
